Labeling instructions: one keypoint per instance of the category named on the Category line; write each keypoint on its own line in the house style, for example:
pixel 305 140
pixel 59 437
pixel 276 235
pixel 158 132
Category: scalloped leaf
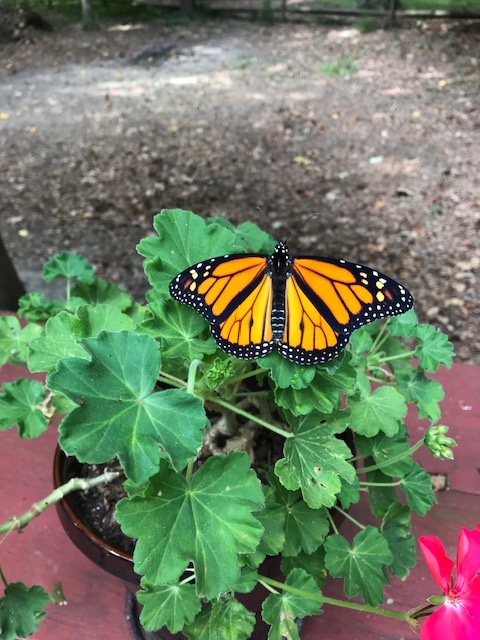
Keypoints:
pixel 206 520
pixel 21 610
pixel 362 564
pixel 117 415
pixel 183 240
pixel 19 402
pixel 64 331
pixel 69 266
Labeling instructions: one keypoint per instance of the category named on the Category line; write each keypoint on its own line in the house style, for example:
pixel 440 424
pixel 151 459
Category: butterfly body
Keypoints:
pixel 305 306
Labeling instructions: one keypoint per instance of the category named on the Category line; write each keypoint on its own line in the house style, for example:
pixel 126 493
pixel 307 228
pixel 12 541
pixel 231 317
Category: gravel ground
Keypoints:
pixel 378 132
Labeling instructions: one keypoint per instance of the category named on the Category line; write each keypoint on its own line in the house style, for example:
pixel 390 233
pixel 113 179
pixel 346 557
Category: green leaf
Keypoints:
pixel 230 620
pixel 35 307
pixel 315 461
pixel 14 340
pixel 397 529
pixel 313 564
pixel 21 610
pixel 384 449
pixel 360 564
pixel 207 520
pixel 64 332
pixel 179 328
pixel 253 239
pixel 272 519
pixel 171 605
pixel 305 528
pixel 380 498
pixel 248 580
pixel 349 493
pixel 323 393
pixel 117 415
pixel 281 611
pixel 183 239
pixel 380 411
pixel 404 325
pixel 199 629
pixel 417 487
pixel 68 265
pixel 102 292
pixel 426 393
pixel 19 402
pixel 286 374
pixel 434 349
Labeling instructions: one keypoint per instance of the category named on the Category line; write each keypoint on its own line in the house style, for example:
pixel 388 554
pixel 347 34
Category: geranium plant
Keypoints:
pixel 147 385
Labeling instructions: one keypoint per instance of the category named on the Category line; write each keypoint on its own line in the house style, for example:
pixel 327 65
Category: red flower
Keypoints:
pixel 458 618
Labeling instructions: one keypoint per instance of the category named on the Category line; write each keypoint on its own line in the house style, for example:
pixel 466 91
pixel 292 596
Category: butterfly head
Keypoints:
pixel 280 260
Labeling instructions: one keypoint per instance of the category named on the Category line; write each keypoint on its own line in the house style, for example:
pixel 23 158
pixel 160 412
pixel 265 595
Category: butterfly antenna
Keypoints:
pixel 269 222
pixel 302 226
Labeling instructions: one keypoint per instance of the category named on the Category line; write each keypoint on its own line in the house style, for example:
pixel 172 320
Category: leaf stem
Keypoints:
pixel 333 601
pixel 166 377
pixel 379 340
pixel 332 522
pixel 189 472
pixel 250 416
pixel 380 484
pixel 192 372
pixel 349 517
pixel 398 356
pixel 4 580
pixel 74 484
pixel 397 458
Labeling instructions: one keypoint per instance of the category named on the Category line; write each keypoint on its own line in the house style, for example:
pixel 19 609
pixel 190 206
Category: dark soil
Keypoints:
pixel 227 116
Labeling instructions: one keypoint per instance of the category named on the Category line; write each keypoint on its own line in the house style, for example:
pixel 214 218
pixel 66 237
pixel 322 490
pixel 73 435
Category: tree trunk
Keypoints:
pixel 87 12
pixel 391 18
pixel 11 289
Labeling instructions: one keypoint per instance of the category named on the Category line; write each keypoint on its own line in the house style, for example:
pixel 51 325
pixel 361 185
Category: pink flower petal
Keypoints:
pixel 468 558
pixel 455 622
pixel 438 563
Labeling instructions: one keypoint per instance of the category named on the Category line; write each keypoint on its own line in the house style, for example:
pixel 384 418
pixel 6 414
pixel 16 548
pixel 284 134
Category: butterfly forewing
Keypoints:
pixel 234 293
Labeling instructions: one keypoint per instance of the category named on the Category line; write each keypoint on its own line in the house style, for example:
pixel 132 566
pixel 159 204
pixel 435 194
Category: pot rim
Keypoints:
pixel 60 457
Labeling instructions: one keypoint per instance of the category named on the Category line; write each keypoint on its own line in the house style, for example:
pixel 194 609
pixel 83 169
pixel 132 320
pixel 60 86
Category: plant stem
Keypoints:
pixel 380 484
pixel 244 376
pixel 250 416
pixel 332 522
pixel 192 372
pixel 349 517
pixel 4 580
pixel 75 484
pixel 397 458
pixel 399 356
pixel 333 601
pixel 189 472
pixel 166 377
pixel 379 340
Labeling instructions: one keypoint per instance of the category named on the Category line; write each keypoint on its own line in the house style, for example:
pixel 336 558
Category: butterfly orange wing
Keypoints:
pixel 234 293
pixel 327 299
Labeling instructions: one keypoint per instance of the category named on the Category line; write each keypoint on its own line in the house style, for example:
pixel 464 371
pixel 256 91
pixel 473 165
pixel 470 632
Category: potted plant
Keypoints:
pixel 226 461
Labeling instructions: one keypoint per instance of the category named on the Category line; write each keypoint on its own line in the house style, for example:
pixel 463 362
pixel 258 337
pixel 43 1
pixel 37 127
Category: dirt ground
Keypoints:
pixel 238 115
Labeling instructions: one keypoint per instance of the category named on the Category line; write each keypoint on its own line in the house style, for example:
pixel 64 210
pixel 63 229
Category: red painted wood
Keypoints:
pixel 42 554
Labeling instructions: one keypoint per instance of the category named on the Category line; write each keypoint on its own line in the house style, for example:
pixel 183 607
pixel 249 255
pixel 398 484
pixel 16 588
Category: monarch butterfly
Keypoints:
pixel 305 306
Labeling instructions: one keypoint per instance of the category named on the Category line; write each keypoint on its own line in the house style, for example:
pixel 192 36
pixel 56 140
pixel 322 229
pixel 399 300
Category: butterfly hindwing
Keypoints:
pixel 234 293
pixel 327 299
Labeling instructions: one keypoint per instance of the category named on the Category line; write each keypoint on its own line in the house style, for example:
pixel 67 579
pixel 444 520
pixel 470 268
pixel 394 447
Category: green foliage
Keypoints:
pixel 19 402
pixel 147 385
pixel 21 610
pixel 344 67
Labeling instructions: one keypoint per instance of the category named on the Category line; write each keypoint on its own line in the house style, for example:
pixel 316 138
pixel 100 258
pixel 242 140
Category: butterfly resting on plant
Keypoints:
pixel 305 306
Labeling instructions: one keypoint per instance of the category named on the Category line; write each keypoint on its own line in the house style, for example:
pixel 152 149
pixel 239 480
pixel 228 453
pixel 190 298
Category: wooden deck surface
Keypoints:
pixel 42 554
